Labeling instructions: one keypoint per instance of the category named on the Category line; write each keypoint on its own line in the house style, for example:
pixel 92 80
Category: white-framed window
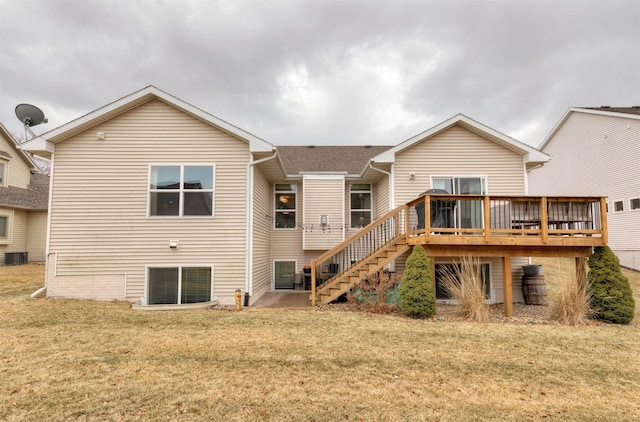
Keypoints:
pixel 618 206
pixel 466 214
pixel 360 203
pixel 283 274
pixel 179 285
pixel 285 206
pixel 3 168
pixel 453 269
pixel 634 203
pixel 181 190
pixel 4 227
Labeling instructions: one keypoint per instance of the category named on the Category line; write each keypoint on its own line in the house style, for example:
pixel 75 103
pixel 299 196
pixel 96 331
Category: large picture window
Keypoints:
pixel 285 206
pixel 360 195
pixel 181 190
pixel 179 285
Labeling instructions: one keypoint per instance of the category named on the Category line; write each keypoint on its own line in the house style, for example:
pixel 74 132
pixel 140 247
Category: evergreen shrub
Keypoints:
pixel 417 295
pixel 611 295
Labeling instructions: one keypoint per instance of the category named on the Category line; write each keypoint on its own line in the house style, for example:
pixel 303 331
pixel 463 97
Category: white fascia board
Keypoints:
pixel 39 146
pixel 321 176
pixel 256 144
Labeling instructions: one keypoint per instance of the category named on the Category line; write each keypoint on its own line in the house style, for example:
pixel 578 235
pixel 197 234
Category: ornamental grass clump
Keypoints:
pixel 465 282
pixel 417 295
pixel 612 298
pixel 570 301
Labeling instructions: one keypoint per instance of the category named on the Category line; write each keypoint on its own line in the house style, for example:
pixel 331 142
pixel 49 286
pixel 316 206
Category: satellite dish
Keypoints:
pixel 30 115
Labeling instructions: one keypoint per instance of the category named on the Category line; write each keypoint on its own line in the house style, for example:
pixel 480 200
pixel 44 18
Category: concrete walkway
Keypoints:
pixel 283 300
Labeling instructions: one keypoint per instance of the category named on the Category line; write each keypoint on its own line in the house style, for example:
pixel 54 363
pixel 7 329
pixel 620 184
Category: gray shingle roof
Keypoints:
pixel 36 197
pixel 349 159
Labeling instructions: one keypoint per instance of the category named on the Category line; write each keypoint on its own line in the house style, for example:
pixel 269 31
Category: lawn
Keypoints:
pixel 81 360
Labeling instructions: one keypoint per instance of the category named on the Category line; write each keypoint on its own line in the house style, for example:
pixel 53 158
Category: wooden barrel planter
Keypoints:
pixel 534 290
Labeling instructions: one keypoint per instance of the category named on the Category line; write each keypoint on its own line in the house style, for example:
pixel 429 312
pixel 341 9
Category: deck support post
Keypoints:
pixel 507 286
pixel 581 272
pixel 313 283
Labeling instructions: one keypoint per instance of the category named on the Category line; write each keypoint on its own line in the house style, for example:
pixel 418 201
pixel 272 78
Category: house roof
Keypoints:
pixel 349 160
pixel 532 156
pixel 620 112
pixel 36 197
pixel 26 157
pixel 44 144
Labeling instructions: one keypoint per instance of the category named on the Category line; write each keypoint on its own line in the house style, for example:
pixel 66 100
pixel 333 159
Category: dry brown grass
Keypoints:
pixel 571 297
pixel 465 283
pixel 78 360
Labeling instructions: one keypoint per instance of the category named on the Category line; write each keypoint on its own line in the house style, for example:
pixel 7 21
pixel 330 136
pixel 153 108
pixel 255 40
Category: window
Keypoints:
pixel 283 274
pixel 618 206
pixel 3 227
pixel 465 214
pixel 635 203
pixel 179 285
pixel 2 177
pixel 181 190
pixel 442 269
pixel 360 205
pixel 285 200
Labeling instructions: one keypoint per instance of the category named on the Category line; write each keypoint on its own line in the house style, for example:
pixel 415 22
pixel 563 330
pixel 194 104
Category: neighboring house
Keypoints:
pixel 596 150
pixel 23 204
pixel 157 201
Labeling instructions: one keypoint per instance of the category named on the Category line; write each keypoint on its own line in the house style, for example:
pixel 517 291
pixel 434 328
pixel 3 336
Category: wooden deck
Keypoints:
pixel 458 225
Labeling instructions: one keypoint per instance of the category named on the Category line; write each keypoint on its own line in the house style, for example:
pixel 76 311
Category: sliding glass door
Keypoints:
pixel 467 214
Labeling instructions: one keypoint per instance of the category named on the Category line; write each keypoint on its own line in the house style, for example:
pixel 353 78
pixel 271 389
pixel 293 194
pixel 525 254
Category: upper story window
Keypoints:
pixel 635 203
pixel 285 206
pixel 360 212
pixel 181 190
pixel 3 166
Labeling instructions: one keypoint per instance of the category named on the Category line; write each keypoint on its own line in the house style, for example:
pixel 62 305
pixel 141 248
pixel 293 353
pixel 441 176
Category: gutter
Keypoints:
pixel 391 189
pixel 249 223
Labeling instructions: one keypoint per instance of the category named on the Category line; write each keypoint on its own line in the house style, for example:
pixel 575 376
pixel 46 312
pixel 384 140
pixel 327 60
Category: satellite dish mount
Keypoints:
pixel 30 115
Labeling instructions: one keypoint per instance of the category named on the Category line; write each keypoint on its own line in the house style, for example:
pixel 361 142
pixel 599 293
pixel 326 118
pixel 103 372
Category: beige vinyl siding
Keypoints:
pixel 597 155
pixel 381 196
pixel 323 196
pixel 457 152
pixel 37 236
pixel 17 171
pixel 261 230
pixel 16 232
pixel 102 228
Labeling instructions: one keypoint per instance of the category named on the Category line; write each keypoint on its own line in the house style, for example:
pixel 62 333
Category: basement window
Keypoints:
pixel 179 285
pixel 618 206
pixel 635 203
pixel 442 269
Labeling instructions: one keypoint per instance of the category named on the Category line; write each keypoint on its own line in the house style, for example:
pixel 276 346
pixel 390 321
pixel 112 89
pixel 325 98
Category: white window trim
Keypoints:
pixel 277 192
pixel 624 208
pixel 492 290
pixel 6 240
pixel 4 171
pixel 181 191
pixel 145 298
pixel 370 191
pixel 273 272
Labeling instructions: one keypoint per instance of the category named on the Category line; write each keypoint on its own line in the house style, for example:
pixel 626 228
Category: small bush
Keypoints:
pixel 379 290
pixel 570 303
pixel 417 295
pixel 465 283
pixel 612 298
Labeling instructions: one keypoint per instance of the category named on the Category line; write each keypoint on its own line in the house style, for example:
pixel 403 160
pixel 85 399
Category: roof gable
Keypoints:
pixel 531 155
pixel 619 112
pixel 16 149
pixel 44 144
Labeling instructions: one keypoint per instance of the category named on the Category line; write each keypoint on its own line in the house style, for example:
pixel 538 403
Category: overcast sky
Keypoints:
pixel 325 72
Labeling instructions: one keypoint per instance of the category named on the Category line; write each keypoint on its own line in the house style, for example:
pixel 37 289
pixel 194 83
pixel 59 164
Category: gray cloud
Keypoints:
pixel 326 72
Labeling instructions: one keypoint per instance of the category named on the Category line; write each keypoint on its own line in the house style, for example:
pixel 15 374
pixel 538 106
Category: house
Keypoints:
pixel 596 150
pixel 23 204
pixel 157 201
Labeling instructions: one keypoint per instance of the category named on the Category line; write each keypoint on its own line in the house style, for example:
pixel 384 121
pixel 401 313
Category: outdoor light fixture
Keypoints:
pixel 174 244
pixel 412 176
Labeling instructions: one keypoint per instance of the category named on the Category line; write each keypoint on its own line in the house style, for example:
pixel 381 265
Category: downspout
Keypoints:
pixel 48 241
pixel 391 189
pixel 249 228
